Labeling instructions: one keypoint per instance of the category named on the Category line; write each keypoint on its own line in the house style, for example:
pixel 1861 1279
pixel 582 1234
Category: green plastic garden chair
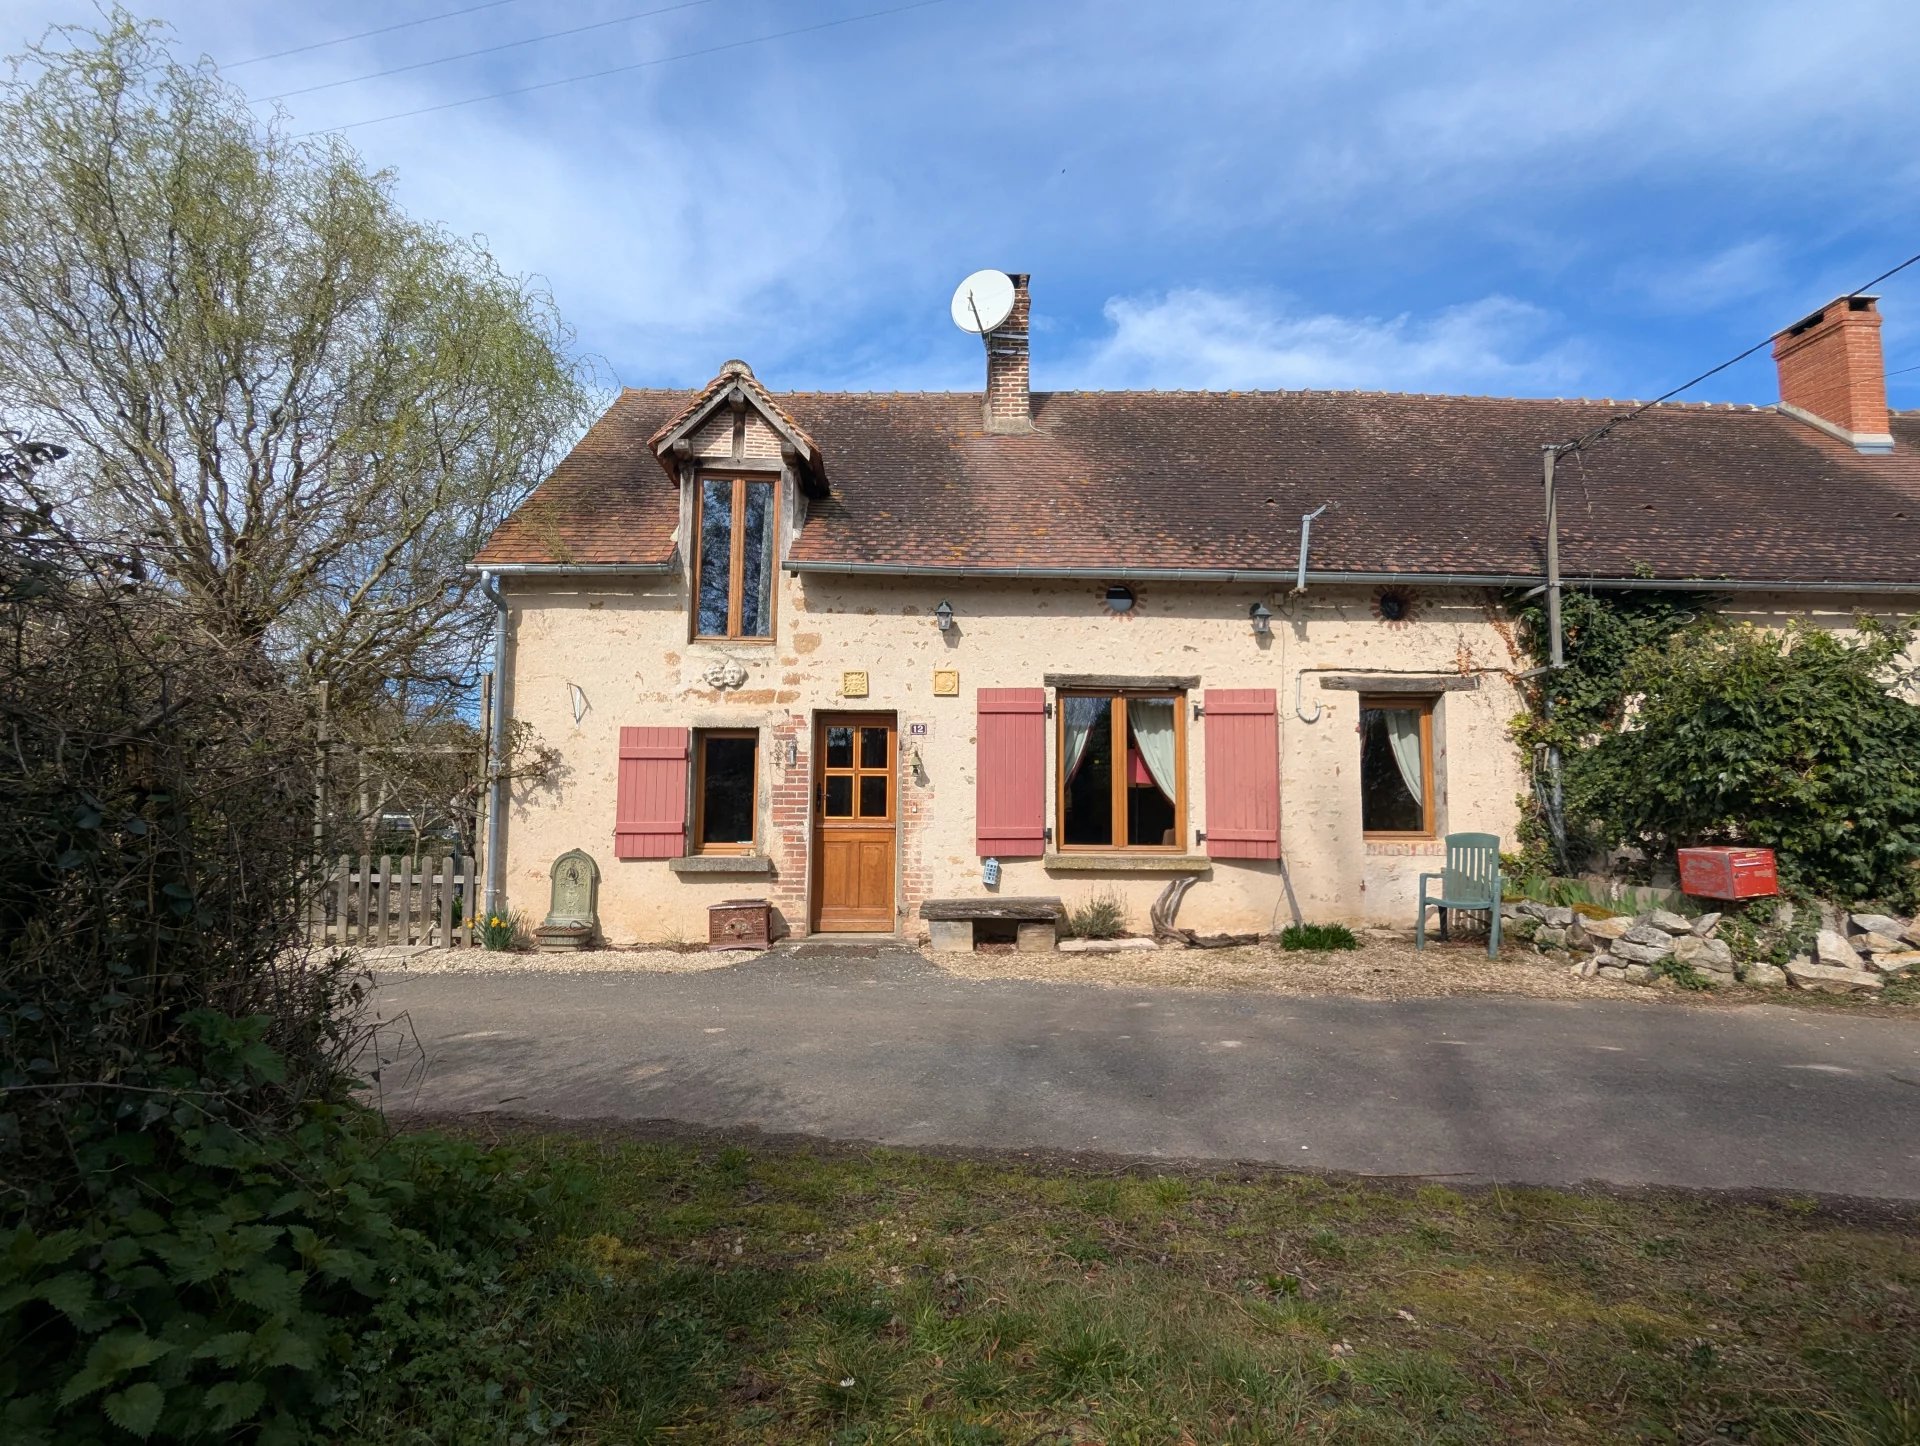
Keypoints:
pixel 1471 881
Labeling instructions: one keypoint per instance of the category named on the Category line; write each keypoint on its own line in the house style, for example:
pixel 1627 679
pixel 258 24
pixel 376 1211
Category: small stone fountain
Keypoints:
pixel 571 922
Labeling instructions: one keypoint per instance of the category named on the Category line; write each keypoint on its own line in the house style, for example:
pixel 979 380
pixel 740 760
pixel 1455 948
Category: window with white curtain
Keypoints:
pixel 1122 770
pixel 1396 767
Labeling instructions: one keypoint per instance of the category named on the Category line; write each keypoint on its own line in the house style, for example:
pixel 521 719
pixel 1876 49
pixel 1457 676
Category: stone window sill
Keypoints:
pixel 1118 863
pixel 721 864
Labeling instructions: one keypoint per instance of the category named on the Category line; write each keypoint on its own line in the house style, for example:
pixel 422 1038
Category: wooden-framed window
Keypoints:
pixel 857 770
pixel 726 791
pixel 735 520
pixel 1396 767
pixel 1122 770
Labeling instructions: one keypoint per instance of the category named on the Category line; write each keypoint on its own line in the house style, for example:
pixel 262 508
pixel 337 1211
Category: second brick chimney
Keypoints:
pixel 1832 373
pixel 1009 401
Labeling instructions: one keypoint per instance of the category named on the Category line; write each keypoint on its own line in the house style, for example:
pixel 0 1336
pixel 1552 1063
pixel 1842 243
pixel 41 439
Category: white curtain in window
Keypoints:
pixel 1152 722
pixel 1403 734
pixel 1081 714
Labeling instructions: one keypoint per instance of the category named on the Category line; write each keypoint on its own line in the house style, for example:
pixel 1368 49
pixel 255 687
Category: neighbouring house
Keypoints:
pixel 838 650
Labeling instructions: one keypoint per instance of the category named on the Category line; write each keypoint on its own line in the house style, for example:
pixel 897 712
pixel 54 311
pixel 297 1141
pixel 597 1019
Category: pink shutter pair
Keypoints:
pixel 650 815
pixel 1243 773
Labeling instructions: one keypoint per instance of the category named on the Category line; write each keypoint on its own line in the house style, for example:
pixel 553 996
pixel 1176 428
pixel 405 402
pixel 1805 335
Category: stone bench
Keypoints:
pixel 951 922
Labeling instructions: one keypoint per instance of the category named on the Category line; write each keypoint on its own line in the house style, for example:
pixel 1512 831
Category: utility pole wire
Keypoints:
pixel 484 50
pixel 622 69
pixel 363 34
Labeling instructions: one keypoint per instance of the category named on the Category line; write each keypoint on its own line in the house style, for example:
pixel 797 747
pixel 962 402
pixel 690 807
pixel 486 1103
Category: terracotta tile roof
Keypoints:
pixel 1218 480
pixel 608 501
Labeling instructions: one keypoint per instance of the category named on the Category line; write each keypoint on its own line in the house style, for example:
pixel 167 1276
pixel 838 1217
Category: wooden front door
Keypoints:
pixel 855 784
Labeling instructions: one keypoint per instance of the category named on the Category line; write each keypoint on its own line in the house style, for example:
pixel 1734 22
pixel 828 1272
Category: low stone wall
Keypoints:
pixel 1854 953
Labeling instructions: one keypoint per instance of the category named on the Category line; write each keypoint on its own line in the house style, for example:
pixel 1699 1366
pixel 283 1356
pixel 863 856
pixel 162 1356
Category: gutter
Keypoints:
pixel 496 743
pixel 574 569
pixel 1271 575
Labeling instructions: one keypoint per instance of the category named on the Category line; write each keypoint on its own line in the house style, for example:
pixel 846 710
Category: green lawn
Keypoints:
pixel 701 1292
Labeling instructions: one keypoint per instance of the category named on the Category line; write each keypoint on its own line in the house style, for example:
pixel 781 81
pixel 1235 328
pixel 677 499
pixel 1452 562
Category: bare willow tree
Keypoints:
pixel 303 409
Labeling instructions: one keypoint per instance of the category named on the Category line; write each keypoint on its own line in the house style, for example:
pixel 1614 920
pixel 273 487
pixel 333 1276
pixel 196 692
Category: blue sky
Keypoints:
pixel 1512 198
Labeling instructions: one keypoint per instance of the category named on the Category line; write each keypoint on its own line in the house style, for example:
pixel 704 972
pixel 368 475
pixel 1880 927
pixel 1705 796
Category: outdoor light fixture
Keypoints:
pixel 1262 619
pixel 943 615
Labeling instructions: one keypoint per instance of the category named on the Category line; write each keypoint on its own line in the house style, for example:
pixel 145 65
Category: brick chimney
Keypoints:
pixel 1009 404
pixel 1832 373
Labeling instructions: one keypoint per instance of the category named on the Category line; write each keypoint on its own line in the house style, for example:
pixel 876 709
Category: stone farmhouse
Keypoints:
pixel 841 650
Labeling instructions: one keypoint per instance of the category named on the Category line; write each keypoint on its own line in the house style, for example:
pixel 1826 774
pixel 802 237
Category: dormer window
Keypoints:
pixel 733 568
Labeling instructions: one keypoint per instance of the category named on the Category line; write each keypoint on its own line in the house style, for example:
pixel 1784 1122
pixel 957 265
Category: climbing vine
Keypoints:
pixel 1585 700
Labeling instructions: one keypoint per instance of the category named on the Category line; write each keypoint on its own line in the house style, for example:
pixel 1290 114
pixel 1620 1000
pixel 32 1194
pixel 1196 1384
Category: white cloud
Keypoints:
pixel 1736 273
pixel 1211 339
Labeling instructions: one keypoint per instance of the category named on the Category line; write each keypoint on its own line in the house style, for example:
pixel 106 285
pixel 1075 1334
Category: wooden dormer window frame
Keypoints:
pixel 745 619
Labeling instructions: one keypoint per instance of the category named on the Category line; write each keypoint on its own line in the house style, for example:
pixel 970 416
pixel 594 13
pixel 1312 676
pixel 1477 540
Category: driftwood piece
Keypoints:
pixel 1166 906
pixel 1164 929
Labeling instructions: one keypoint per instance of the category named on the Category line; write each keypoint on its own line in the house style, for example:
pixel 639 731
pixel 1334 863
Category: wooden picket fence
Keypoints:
pixel 396 901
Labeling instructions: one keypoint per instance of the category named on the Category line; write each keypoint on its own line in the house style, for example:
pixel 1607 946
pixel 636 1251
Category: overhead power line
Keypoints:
pixel 622 69
pixel 1581 443
pixel 485 50
pixel 363 34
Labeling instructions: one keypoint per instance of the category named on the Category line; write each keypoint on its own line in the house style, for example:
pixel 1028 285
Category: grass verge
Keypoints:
pixel 713 1292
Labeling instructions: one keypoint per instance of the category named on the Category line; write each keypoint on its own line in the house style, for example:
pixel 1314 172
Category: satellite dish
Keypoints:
pixel 983 301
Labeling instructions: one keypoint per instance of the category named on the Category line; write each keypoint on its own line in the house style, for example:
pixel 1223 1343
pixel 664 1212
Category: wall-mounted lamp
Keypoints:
pixel 1262 619
pixel 579 700
pixel 943 615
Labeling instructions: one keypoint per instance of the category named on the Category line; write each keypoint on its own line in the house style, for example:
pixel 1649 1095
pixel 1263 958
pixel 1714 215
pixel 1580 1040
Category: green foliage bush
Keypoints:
pixel 1679 729
pixel 1790 740
pixel 289 1286
pixel 1604 633
pixel 1318 936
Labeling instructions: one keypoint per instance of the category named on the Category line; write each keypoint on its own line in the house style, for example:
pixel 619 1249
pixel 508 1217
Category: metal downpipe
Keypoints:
pixel 496 744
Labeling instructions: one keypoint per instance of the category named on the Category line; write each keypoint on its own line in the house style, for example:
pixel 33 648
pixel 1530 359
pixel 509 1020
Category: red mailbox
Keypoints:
pixel 1728 873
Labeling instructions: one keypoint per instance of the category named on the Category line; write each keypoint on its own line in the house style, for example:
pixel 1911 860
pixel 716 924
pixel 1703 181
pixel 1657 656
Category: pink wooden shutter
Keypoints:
pixel 1243 773
pixel 650 819
pixel 1010 773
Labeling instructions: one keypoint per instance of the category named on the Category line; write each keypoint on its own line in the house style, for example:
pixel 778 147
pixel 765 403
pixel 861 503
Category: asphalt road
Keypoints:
pixel 877 1045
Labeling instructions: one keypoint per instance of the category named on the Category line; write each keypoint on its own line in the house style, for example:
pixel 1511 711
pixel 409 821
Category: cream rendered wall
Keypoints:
pixel 623 641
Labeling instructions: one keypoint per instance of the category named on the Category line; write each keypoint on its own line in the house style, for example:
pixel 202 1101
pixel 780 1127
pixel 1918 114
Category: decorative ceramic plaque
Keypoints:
pixel 853 685
pixel 946 682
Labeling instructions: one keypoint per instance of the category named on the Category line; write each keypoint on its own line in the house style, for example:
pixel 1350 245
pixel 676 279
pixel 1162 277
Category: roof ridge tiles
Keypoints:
pixel 1233 393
